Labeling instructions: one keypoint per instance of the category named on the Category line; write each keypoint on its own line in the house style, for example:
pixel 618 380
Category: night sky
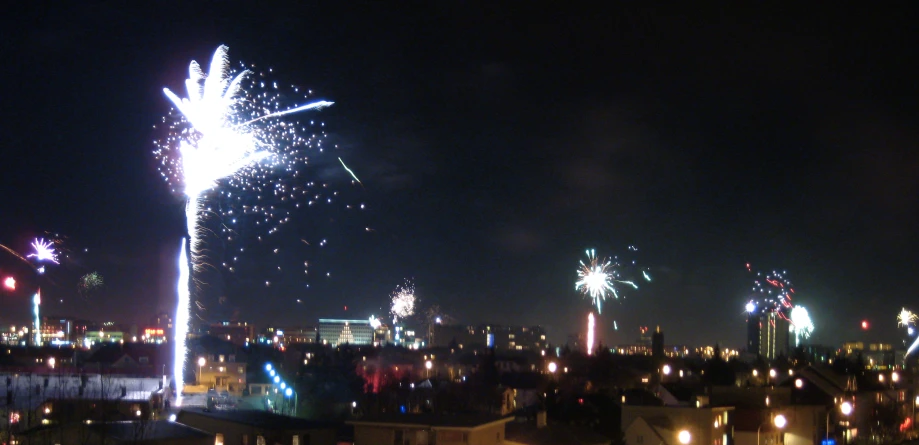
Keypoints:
pixel 495 143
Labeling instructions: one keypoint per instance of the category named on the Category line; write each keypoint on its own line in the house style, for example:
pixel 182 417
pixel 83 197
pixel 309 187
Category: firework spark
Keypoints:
pixel 44 251
pixel 906 318
pixel 403 301
pixel 225 130
pixel 801 325
pixel 597 279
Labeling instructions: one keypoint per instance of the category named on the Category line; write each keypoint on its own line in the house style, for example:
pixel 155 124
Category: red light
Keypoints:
pixel 9 283
pixel 581 401
pixel 346 307
pixel 865 325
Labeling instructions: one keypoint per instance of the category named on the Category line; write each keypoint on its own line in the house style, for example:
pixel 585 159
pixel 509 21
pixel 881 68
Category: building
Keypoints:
pixel 644 336
pixel 99 337
pixel 157 432
pixel 674 425
pixel 239 333
pixel 424 429
pixel 335 332
pixel 30 400
pixel 767 334
pixel 657 345
pixel 221 372
pixel 297 335
pixel 515 338
pixel 57 331
pixel 154 335
pixel 248 427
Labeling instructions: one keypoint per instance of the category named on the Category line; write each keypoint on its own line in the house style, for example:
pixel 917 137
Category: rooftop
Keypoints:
pixel 553 434
pixel 155 430
pixel 261 419
pixel 432 420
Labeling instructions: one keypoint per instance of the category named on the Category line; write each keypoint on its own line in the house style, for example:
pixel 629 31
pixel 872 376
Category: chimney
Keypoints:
pixel 540 419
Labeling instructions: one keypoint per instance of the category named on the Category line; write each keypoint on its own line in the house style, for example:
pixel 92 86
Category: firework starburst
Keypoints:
pixel 227 127
pixel 44 251
pixel 403 301
pixel 597 279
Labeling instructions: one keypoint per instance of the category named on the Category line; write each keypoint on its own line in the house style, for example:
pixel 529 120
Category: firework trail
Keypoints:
pixel 801 325
pixel 597 278
pixel 590 333
pixel 17 255
pixel 228 133
pixel 350 172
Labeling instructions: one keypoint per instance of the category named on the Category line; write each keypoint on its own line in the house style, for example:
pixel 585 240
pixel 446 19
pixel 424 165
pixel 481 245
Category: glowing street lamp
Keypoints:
pixel 684 437
pixel 51 362
pixel 666 369
pixel 779 421
pixel 846 408
pixel 201 362
pixel 268 367
pixel 553 367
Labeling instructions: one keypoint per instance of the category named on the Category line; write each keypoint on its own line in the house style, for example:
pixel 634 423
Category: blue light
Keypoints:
pixel 277 379
pixel 402 409
pixel 289 392
pixel 828 442
pixel 283 385
pixel 267 366
pixel 272 373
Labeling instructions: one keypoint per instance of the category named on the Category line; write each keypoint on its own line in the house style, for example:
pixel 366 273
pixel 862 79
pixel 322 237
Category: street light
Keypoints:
pixel 51 362
pixel 201 363
pixel 845 408
pixel 684 437
pixel 666 371
pixel 553 367
pixel 779 421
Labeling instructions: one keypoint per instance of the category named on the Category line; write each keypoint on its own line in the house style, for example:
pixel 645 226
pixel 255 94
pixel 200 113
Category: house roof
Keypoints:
pixel 425 420
pixel 260 419
pixel 154 430
pixel 553 434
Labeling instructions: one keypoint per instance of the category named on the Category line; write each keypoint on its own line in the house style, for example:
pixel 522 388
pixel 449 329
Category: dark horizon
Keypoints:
pixel 495 144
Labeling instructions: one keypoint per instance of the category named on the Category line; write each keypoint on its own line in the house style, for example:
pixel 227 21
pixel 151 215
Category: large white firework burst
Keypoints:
pixel 597 279
pixel 226 128
pixel 801 324
pixel 403 301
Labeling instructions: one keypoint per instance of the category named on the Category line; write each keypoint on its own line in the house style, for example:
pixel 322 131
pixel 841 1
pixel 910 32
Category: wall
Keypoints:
pixel 699 421
pixel 233 432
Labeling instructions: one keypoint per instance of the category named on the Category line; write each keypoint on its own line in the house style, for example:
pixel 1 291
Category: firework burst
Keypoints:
pixel 597 278
pixel 89 283
pixel 801 324
pixel 228 128
pixel 906 318
pixel 403 301
pixel 772 292
pixel 44 251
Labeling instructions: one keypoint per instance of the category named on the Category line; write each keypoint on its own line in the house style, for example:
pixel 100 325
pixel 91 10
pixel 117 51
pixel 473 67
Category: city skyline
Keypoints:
pixel 492 153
